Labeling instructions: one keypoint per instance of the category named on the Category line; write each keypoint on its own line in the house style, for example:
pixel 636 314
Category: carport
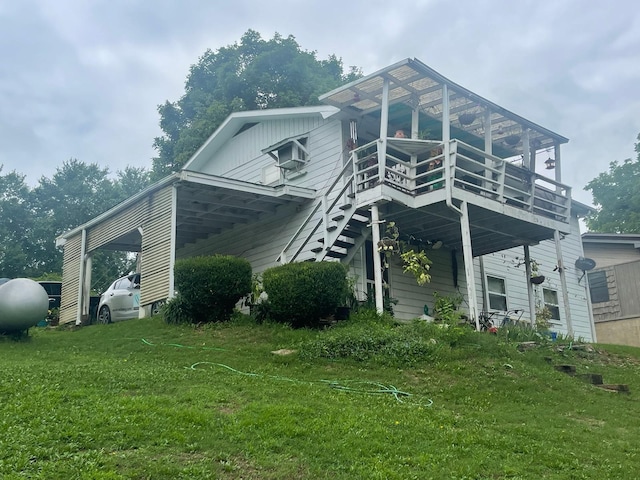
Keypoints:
pixel 180 209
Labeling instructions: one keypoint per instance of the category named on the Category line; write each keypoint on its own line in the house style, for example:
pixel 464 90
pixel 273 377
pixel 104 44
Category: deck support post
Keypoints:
pixel 384 127
pixel 530 292
pixel 467 252
pixel 377 262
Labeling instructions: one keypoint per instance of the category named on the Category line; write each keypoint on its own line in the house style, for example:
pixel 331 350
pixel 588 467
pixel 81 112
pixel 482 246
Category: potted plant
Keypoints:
pixel 536 278
pixel 350 301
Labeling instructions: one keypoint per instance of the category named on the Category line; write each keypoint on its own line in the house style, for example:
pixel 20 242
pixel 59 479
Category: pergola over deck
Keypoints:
pixel 487 166
pixel 440 104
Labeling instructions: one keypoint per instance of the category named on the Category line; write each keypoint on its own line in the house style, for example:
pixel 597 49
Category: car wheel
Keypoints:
pixel 104 315
pixel 156 307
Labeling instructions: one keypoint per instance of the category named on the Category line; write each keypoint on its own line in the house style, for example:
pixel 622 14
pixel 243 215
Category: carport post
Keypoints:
pixel 86 291
pixel 83 251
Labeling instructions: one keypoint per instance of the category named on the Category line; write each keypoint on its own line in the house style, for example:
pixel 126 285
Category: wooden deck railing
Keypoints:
pixel 419 167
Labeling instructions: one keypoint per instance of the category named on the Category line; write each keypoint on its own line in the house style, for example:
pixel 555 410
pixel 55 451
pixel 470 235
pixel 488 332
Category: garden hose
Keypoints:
pixel 146 342
pixel 371 388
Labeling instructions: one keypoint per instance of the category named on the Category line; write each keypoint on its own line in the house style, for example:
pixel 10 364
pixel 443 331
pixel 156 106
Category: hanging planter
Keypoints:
pixel 467 118
pixel 537 280
pixel 512 140
pixel 388 244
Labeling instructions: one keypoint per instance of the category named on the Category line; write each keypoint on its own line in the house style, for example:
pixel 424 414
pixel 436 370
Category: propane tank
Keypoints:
pixel 23 303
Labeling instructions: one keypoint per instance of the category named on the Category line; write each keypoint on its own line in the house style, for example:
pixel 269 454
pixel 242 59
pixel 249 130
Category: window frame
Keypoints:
pixel 597 291
pixel 553 308
pixel 495 293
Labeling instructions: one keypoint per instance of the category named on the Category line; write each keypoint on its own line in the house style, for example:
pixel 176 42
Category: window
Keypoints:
pixel 497 293
pixel 551 302
pixel 598 287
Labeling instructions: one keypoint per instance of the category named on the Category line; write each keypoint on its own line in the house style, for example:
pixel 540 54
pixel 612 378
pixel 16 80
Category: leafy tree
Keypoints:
pixel 253 74
pixel 16 226
pixel 31 219
pixel 75 194
pixel 616 195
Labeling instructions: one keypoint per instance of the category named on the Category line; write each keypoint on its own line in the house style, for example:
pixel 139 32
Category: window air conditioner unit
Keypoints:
pixel 289 154
pixel 289 157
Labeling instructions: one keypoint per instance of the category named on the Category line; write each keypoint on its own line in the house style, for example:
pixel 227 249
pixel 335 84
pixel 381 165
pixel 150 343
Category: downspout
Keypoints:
pixel 563 283
pixel 377 263
pixel 592 326
pixel 483 283
pixel 83 251
pixel 174 223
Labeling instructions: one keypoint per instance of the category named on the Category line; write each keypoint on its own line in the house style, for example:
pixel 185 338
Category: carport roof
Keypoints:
pixel 208 203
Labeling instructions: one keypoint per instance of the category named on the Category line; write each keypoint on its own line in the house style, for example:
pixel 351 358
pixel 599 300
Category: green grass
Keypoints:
pixel 100 402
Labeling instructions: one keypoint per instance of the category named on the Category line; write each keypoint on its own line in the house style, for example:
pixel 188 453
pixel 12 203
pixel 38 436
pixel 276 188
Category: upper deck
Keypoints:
pixel 511 205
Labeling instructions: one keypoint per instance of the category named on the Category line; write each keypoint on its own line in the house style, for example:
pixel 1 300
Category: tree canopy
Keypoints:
pixel 32 218
pixel 616 195
pixel 249 75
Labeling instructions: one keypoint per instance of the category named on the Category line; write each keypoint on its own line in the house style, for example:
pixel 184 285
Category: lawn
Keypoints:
pixel 145 400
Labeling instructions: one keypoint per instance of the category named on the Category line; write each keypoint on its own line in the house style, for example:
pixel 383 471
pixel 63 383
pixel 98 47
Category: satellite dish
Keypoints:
pixel 585 264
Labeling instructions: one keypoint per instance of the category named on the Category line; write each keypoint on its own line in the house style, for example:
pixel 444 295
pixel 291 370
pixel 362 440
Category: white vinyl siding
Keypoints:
pixel 275 230
pixel 502 264
pixel 412 297
pixel 70 280
pixel 157 252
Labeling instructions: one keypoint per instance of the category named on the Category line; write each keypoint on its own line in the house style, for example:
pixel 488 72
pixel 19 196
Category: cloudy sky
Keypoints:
pixel 83 78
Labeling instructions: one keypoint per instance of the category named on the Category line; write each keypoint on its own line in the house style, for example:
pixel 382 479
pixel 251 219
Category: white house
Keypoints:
pixel 319 183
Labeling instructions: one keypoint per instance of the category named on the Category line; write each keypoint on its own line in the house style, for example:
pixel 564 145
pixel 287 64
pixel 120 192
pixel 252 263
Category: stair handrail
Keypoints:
pixel 282 258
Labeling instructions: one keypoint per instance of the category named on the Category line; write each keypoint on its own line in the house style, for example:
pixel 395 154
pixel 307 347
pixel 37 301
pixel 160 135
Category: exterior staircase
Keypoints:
pixel 339 228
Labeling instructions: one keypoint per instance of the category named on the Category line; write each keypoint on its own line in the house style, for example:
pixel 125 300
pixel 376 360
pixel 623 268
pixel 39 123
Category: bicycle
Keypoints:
pixel 491 321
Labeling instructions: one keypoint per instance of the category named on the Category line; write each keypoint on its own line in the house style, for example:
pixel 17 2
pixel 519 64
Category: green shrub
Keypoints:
pixel 367 336
pixel 177 311
pixel 210 286
pixel 303 293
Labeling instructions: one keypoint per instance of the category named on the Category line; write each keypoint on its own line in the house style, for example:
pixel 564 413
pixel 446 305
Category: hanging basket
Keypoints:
pixel 388 245
pixel 467 118
pixel 512 140
pixel 537 280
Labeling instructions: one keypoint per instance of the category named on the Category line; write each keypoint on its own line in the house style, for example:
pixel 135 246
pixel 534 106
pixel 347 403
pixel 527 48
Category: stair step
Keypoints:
pixel 338 217
pixel 620 388
pixel 592 378
pixel 568 369
pixel 351 233
pixel 332 228
pixel 317 249
pixel 339 243
pixel 345 206
pixel 343 244
pixel 357 221
pixel 335 254
pixel 351 195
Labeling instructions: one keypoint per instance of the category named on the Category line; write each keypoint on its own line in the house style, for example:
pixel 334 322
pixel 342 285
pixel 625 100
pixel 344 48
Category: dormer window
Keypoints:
pixel 290 153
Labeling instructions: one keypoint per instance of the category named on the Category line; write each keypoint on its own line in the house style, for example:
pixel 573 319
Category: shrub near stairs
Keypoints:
pixel 208 288
pixel 303 293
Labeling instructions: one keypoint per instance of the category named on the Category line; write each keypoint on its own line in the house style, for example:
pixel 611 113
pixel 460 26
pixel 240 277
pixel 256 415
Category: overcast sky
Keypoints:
pixel 83 78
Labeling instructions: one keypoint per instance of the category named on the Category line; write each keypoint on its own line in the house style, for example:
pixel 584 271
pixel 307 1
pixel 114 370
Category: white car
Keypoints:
pixel 121 300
